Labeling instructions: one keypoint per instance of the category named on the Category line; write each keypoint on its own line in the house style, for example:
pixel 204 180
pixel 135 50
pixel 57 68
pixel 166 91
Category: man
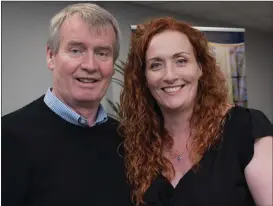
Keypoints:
pixel 62 149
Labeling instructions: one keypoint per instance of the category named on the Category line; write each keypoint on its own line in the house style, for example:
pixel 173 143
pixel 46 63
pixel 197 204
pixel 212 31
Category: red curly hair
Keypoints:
pixel 142 123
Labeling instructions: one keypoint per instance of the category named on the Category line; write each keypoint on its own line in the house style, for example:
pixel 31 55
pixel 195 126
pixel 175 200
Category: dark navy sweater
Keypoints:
pixel 48 161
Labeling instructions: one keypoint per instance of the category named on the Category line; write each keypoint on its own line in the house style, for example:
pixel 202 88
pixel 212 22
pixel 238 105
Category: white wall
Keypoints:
pixel 259 65
pixel 24 33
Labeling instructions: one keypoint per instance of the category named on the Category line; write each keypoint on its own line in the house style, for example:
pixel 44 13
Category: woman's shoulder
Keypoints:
pixel 251 119
pixel 243 126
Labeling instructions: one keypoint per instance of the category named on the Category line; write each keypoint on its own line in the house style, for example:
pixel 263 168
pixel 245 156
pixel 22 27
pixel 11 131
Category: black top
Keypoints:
pixel 47 161
pixel 220 179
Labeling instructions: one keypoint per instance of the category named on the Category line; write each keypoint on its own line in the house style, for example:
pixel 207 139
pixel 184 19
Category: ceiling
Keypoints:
pixel 256 15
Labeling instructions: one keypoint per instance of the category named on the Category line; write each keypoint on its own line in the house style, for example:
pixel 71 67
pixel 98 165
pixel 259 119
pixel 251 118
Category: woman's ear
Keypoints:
pixel 200 69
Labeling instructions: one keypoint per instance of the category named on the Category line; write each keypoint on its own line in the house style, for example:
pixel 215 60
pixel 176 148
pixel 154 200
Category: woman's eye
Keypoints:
pixel 155 65
pixel 181 61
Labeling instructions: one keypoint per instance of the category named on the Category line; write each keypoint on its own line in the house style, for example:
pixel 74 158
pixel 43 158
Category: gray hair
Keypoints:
pixel 93 14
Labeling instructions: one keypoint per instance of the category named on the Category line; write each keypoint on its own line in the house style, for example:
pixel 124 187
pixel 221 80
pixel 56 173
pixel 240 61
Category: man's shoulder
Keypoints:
pixel 24 114
pixel 110 126
pixel 111 123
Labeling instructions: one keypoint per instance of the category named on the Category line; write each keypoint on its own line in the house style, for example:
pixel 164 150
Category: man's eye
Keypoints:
pixel 103 54
pixel 76 51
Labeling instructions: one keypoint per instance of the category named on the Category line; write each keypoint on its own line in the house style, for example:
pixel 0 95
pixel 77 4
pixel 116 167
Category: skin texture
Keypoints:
pixel 84 52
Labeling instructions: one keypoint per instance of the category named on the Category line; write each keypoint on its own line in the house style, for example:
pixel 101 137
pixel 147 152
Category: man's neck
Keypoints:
pixel 89 113
pixel 88 110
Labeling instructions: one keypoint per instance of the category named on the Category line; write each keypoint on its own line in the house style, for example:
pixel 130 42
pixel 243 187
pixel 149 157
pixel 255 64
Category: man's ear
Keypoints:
pixel 50 58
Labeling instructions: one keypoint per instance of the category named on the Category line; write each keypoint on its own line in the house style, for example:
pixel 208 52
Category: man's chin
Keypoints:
pixel 87 98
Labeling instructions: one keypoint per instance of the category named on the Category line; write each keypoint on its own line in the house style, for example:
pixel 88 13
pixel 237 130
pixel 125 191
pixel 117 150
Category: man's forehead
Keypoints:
pixel 98 27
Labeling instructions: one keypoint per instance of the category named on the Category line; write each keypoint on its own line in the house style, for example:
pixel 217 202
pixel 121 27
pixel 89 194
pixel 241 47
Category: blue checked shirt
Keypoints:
pixel 70 115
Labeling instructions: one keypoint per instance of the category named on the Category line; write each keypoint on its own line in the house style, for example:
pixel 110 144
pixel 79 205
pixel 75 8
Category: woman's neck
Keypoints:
pixel 178 123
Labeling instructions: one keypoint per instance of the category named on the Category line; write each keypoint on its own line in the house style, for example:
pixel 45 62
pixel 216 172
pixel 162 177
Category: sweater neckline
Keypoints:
pixel 67 124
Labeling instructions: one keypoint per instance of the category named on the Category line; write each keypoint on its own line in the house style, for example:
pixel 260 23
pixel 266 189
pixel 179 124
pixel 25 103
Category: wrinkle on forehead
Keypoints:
pixel 97 26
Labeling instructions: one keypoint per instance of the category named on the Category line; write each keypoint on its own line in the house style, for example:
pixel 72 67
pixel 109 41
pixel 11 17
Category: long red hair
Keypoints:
pixel 142 123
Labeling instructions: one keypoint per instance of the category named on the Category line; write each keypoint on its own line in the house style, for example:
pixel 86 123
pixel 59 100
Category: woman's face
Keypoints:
pixel 172 71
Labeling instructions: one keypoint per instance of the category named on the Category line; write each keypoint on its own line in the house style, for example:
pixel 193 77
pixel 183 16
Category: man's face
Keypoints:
pixel 84 64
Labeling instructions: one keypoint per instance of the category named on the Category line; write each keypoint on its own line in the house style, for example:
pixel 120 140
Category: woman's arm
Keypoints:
pixel 258 172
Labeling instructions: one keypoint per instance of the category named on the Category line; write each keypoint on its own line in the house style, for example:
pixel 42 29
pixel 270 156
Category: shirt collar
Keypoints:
pixel 68 114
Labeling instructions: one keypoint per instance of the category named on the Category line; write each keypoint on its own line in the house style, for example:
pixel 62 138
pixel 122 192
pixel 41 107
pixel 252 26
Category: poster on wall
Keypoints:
pixel 228 47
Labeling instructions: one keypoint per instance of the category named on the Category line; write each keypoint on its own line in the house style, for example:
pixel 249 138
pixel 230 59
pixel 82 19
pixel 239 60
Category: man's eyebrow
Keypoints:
pixel 75 43
pixel 105 48
pixel 78 43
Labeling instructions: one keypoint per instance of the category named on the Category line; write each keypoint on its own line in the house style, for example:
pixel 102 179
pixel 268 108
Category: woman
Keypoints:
pixel 184 144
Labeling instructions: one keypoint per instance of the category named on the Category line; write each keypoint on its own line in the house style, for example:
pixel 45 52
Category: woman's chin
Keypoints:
pixel 173 107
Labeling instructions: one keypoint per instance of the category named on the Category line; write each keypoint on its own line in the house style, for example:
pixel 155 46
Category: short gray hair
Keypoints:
pixel 93 14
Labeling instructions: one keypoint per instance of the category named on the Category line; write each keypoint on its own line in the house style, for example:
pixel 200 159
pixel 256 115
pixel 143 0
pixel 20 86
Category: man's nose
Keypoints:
pixel 90 62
